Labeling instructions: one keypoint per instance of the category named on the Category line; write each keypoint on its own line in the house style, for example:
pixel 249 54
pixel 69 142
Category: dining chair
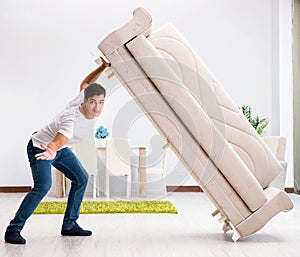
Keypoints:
pixel 117 162
pixel 162 169
pixel 86 152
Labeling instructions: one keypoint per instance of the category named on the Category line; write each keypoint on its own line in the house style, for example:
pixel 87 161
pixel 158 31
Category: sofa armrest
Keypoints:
pixel 277 145
pixel 279 181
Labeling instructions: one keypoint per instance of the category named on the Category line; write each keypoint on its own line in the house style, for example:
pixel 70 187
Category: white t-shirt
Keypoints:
pixel 70 122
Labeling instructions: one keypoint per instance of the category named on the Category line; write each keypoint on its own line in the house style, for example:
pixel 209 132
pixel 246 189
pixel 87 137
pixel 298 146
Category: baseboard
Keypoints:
pixel 184 189
pixel 24 189
pixel 21 189
pixel 289 190
pixel 198 189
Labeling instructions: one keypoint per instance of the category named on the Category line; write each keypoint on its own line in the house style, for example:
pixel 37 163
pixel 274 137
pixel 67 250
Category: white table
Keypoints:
pixel 139 150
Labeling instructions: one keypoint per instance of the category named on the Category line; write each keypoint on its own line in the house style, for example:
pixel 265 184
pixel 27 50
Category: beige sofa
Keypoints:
pixel 205 129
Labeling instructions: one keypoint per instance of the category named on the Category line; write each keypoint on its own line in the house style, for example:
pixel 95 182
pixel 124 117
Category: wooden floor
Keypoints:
pixel 192 232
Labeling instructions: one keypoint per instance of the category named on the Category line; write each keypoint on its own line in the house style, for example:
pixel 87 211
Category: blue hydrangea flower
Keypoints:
pixel 101 132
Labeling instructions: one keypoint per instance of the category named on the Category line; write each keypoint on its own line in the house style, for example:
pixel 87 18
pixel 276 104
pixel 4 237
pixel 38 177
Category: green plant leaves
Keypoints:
pixel 257 123
pixel 262 124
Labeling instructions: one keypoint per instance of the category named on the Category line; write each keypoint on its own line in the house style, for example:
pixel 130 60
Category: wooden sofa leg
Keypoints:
pixel 214 213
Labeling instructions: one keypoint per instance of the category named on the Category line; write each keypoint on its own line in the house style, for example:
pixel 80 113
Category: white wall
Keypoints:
pixel 286 83
pixel 47 48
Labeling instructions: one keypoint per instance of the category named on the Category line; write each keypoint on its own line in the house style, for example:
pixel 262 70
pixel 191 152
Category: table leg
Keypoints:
pixel 59 184
pixel 142 172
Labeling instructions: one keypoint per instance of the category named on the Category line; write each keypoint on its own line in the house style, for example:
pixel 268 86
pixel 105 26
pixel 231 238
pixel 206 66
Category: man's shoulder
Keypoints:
pixel 77 101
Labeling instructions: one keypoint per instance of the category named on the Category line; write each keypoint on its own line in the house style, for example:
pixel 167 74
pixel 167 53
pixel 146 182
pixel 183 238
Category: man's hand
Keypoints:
pixel 104 63
pixel 48 154
pixel 93 76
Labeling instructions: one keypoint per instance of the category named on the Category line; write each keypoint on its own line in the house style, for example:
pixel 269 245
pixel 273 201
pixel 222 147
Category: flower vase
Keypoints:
pixel 101 142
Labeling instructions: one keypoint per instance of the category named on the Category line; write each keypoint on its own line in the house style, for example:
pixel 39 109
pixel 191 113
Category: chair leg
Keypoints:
pixel 94 186
pixel 164 183
pixel 98 186
pixel 64 186
pixel 60 184
pixel 106 185
pixel 128 190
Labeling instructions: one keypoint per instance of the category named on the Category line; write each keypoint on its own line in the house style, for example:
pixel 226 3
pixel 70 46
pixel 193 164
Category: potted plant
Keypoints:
pixel 101 134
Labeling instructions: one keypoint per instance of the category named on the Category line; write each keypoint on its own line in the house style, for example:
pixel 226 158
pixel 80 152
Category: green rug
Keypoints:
pixel 89 207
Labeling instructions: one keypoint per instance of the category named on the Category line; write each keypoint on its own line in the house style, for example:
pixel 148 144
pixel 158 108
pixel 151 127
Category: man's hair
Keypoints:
pixel 93 89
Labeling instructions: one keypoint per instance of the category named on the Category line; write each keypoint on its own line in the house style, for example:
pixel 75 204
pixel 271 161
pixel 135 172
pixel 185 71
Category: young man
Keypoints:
pixel 49 146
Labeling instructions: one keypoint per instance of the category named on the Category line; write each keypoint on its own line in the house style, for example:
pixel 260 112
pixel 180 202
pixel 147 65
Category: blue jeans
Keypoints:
pixel 66 162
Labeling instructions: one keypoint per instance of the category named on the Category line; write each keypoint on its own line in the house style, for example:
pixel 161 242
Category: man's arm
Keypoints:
pixel 93 76
pixel 51 149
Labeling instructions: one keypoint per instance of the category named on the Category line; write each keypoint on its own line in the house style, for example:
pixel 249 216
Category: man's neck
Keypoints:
pixel 84 113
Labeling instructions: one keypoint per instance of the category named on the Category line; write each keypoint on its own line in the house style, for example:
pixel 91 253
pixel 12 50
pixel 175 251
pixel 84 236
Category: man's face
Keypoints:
pixel 93 105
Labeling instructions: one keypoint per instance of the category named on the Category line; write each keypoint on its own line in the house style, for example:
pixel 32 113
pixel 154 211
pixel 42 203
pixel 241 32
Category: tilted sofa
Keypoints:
pixel 203 126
